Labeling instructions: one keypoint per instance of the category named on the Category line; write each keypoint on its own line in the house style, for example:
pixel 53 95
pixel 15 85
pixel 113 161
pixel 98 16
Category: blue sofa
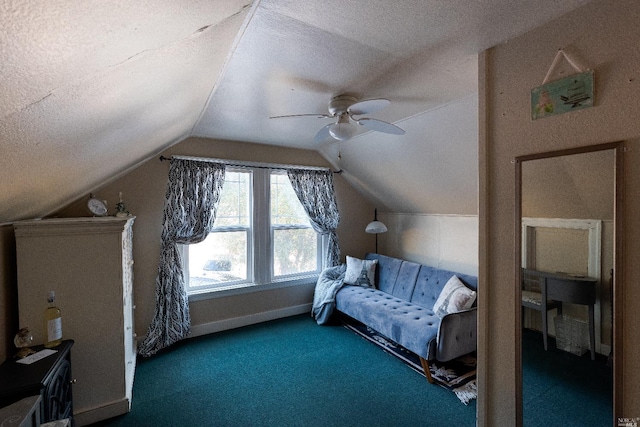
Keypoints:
pixel 401 309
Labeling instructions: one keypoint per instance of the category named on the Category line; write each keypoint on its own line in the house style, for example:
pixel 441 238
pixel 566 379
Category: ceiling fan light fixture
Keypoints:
pixel 342 129
pixel 344 108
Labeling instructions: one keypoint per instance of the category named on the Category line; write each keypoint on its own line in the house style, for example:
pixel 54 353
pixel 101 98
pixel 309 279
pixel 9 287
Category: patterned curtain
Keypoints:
pixel 193 192
pixel 314 189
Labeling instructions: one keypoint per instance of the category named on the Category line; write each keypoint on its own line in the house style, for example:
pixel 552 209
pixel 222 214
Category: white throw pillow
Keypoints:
pixel 454 297
pixel 361 272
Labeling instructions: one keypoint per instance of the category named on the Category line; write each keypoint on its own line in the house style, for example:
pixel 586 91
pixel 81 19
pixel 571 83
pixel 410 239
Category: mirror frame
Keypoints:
pixel 618 246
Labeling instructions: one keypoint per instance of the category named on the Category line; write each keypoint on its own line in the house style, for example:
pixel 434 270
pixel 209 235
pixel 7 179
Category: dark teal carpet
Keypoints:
pixel 288 372
pixel 562 389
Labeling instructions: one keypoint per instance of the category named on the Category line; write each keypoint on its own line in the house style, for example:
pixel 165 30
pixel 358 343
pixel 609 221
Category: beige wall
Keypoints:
pixel 143 192
pixel 605 36
pixel 576 186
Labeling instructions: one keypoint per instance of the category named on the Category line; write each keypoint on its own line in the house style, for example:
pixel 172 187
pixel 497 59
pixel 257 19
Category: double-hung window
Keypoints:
pixel 295 245
pixel 261 235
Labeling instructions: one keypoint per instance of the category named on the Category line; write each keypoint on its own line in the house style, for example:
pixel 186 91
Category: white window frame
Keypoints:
pixel 260 275
pixel 273 229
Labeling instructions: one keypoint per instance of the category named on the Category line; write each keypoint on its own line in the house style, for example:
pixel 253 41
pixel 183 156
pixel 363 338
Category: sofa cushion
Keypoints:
pixel 406 280
pixel 360 272
pixel 430 283
pixel 387 271
pixel 410 325
pixel 454 297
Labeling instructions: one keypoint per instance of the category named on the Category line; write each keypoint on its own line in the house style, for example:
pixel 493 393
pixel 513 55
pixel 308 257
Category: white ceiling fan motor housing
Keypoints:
pixel 340 104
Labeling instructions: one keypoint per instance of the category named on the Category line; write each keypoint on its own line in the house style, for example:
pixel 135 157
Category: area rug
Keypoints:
pixel 458 375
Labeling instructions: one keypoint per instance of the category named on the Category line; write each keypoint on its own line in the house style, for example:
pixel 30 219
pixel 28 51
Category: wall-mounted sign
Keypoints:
pixel 561 96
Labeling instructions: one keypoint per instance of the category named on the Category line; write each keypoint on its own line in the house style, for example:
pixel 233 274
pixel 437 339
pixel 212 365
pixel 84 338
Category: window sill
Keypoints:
pixel 247 288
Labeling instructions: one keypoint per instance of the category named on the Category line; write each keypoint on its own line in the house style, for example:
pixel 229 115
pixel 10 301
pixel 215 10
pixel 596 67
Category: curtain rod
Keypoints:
pixel 241 163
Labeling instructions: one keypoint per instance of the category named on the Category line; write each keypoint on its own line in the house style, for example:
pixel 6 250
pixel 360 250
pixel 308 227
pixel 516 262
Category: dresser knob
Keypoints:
pixel 73 381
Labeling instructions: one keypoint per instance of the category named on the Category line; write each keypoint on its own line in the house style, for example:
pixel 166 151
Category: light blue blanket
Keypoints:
pixel 324 296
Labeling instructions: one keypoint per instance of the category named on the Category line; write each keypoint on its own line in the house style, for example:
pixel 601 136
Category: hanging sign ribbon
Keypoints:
pixel 561 96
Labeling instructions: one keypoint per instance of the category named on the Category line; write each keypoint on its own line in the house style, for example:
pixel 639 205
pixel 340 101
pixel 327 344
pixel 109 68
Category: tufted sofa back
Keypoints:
pixel 417 283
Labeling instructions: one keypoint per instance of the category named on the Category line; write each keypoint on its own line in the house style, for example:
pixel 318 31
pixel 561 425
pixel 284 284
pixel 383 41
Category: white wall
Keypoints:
pixel 449 242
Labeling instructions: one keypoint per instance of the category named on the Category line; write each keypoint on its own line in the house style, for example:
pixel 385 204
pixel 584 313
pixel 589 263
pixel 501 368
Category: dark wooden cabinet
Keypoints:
pixel 49 377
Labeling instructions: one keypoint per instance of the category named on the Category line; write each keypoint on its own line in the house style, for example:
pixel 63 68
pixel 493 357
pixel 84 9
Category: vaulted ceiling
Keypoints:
pixel 91 89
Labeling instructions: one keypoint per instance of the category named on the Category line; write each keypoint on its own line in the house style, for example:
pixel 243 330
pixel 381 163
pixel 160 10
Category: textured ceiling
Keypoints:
pixel 91 89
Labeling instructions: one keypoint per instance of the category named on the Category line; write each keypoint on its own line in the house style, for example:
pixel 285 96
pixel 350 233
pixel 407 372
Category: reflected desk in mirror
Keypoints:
pixel 556 288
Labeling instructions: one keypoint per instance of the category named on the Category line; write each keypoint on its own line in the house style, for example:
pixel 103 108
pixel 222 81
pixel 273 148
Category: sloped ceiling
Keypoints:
pixel 91 89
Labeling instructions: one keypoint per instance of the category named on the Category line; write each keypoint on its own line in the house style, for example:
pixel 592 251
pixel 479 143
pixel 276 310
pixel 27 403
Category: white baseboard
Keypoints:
pixel 93 415
pixel 238 322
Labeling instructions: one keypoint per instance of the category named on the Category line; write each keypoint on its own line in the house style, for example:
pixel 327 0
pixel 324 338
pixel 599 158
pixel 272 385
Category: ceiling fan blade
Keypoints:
pixel 368 106
pixel 380 126
pixel 319 116
pixel 323 135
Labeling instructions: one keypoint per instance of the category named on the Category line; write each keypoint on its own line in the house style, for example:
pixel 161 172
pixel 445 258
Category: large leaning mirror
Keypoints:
pixel 567 207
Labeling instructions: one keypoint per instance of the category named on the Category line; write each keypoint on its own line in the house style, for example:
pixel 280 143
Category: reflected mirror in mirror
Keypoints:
pixel 567 217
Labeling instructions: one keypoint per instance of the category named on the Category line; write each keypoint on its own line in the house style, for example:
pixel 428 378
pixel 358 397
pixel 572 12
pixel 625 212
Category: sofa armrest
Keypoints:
pixel 457 334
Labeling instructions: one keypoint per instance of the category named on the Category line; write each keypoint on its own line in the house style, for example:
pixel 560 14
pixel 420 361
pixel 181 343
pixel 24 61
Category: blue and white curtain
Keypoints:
pixel 315 191
pixel 193 193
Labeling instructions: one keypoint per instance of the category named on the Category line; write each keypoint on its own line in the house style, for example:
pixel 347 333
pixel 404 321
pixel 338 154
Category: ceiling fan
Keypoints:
pixel 343 108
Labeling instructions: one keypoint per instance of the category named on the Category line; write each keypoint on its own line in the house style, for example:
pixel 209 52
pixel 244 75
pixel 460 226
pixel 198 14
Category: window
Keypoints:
pixel 295 243
pixel 261 235
pixel 223 257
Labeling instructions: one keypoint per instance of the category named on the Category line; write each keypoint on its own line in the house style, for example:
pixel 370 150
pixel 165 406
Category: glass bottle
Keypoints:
pixel 52 322
pixel 22 341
